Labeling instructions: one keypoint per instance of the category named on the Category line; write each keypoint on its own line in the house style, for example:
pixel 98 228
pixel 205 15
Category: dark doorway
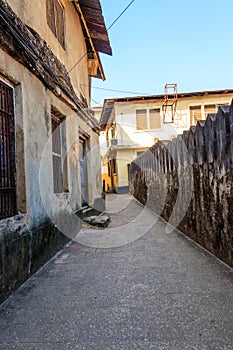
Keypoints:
pixel 83 170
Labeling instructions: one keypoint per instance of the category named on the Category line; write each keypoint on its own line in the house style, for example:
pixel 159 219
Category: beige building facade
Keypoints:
pixel 131 125
pixel 49 138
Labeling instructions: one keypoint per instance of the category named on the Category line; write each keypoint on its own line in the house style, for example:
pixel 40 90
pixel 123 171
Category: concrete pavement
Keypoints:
pixel 160 292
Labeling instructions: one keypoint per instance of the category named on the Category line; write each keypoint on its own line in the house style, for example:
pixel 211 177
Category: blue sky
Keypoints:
pixel 157 42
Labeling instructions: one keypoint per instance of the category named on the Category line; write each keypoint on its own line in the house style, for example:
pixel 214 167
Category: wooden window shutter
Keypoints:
pixel 55 20
pixel 155 120
pixel 195 114
pixel 50 15
pixel 59 16
pixel 57 155
pixel 141 119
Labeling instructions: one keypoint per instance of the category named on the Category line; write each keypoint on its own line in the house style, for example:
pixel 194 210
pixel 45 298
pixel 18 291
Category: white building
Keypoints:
pixel 133 124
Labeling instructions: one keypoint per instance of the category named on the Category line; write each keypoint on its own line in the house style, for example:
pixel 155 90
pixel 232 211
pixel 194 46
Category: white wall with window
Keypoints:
pixel 148 119
pixel 139 125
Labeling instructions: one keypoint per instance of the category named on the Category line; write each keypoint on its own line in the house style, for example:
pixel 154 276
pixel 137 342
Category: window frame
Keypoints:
pixel 148 118
pixel 160 123
pixel 215 105
pixel 210 106
pixel 138 127
pixel 8 183
pixel 53 21
pixel 59 163
pixel 192 108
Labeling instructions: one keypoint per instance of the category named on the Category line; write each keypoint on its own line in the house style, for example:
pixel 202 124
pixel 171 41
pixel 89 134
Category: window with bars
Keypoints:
pixel 8 195
pixel 56 20
pixel 155 120
pixel 59 164
pixel 195 114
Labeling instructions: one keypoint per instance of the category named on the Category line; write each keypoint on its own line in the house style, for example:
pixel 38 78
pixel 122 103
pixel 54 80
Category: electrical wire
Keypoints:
pixel 95 101
pixel 78 61
pixel 107 30
pixel 120 15
pixel 125 92
pixel 31 53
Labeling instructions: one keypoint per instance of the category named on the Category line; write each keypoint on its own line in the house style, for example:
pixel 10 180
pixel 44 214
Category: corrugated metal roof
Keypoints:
pixel 92 12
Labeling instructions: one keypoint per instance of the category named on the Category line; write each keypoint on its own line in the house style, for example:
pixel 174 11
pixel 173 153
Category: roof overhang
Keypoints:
pixel 179 95
pixel 106 114
pixel 95 34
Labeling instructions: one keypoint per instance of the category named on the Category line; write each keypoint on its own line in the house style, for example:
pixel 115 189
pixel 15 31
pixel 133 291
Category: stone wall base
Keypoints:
pixel 190 180
pixel 23 253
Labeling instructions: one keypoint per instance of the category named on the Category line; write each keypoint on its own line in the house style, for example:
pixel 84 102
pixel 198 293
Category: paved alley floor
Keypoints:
pixel 160 291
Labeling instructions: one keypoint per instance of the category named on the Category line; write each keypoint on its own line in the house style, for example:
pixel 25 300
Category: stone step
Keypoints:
pixel 99 221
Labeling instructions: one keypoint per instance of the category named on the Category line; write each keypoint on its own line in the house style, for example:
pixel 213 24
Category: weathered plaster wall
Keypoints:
pixel 23 251
pixel 163 176
pixel 29 239
pixel 33 123
pixel 33 13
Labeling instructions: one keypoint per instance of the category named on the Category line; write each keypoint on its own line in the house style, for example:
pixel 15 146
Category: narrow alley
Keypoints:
pixel 162 292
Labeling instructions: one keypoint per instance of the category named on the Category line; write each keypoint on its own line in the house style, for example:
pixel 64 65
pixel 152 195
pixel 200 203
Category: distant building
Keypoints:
pixel 103 147
pixel 49 53
pixel 133 124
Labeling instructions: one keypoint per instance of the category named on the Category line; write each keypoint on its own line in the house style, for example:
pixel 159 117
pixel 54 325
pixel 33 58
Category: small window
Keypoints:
pixel 141 119
pixel 155 120
pixel 210 109
pixel 139 153
pixel 55 20
pixel 195 114
pixel 59 166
